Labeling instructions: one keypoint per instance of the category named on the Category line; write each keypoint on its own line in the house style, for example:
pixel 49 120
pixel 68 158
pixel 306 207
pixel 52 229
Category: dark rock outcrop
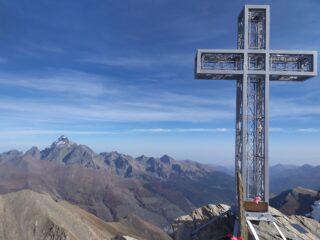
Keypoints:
pixel 297 201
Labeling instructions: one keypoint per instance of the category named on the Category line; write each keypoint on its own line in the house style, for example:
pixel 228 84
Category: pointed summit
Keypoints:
pixel 62 141
pixel 33 152
pixel 67 152
pixel 142 158
pixel 166 159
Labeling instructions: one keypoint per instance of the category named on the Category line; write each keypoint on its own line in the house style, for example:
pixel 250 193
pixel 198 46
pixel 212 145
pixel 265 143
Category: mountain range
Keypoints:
pixel 286 177
pixel 111 185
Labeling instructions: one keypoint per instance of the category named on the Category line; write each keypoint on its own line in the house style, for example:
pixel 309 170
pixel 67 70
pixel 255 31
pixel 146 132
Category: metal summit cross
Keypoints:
pixel 253 65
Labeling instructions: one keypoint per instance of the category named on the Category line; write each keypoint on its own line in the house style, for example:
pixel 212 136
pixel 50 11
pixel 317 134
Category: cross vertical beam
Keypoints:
pixel 252 128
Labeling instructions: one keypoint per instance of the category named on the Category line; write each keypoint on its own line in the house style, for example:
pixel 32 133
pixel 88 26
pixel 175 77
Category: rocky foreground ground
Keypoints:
pixel 28 215
pixel 293 227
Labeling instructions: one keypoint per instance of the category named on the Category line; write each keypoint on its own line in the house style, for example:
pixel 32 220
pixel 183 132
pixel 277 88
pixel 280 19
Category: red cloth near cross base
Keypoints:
pixel 229 235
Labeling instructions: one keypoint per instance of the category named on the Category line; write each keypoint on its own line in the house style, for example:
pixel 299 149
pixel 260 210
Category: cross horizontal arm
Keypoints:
pixel 219 64
pixel 231 64
pixel 292 65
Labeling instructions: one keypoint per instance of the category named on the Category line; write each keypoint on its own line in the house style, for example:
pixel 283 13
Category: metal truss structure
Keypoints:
pixel 253 65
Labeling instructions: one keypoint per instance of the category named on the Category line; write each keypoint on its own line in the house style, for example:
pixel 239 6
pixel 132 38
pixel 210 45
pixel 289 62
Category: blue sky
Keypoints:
pixel 118 75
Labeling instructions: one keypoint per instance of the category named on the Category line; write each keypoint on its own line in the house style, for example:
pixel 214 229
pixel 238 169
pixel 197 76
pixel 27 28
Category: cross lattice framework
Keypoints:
pixel 253 65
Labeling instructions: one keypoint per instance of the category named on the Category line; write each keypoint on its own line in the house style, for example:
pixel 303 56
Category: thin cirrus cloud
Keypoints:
pixel 210 100
pixel 107 111
pixel 113 132
pixel 30 132
pixel 276 129
pixel 125 104
pixel 309 130
pixel 120 62
pixel 181 130
pixel 167 107
pixel 141 61
pixel 70 82
pixel 284 108
pixel 129 106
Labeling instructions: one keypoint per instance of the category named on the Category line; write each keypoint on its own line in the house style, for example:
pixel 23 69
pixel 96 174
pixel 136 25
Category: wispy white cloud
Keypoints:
pixel 71 82
pixel 135 107
pixel 308 130
pixel 141 61
pixel 54 132
pixel 58 132
pixel 196 100
pixel 81 102
pixel 84 99
pixel 113 132
pixel 117 111
pixel 181 130
pixel 288 108
pixel 276 129
pixel 36 49
pixel 129 62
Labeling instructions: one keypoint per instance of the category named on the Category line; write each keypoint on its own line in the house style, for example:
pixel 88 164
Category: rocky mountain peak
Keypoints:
pixel 33 152
pixel 142 158
pixel 166 159
pixel 295 201
pixel 63 151
pixel 10 155
pixel 62 141
pixel 113 155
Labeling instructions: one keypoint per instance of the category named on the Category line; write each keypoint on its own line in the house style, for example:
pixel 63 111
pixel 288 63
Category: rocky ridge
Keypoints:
pixel 65 152
pixel 284 177
pixel 112 185
pixel 297 201
pixel 293 227
pixel 30 215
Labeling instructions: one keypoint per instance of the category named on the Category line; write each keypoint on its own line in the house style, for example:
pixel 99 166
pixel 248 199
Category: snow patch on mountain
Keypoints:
pixel 62 141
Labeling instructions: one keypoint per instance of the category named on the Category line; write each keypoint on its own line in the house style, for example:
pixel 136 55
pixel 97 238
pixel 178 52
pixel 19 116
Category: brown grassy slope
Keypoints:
pixel 29 215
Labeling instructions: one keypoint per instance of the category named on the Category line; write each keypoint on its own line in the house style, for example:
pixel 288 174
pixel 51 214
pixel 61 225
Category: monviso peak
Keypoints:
pixel 62 141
